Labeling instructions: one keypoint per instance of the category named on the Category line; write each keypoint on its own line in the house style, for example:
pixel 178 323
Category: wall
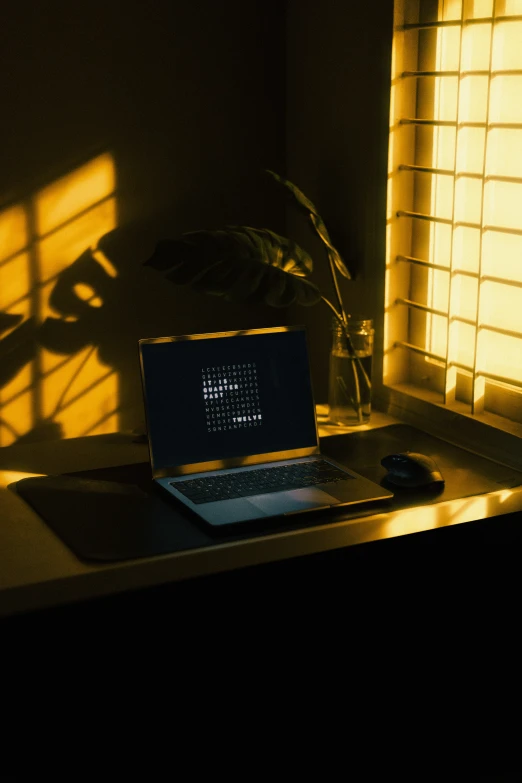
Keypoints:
pixel 184 104
pixel 151 120
pixel 338 88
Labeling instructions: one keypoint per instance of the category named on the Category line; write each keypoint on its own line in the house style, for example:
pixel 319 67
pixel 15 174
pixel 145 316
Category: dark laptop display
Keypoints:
pixel 226 397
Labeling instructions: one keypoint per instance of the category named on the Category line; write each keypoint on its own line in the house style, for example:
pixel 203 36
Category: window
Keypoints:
pixel 453 323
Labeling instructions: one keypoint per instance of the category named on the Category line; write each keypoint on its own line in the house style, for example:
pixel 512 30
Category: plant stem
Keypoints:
pixel 356 365
pixel 355 370
pixel 341 316
pixel 344 318
pixel 332 308
pixel 331 251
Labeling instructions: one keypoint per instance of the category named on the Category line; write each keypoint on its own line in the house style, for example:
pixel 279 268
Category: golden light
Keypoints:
pixel 73 390
pixel 88 399
pixel 12 476
pixel 105 262
pixel 87 294
pixel 15 281
pixel 13 232
pixel 409 519
pixel 483 330
pixel 75 193
pixel 505 495
pixel 59 248
pixel 453 312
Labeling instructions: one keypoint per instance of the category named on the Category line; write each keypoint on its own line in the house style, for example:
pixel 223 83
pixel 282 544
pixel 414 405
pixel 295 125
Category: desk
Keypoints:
pixel 38 571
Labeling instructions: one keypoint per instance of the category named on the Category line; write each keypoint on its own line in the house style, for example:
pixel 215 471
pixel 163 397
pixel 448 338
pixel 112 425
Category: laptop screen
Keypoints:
pixel 229 396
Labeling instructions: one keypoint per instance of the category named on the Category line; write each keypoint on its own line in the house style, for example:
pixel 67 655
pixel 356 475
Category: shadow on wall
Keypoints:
pixel 55 311
pixel 75 299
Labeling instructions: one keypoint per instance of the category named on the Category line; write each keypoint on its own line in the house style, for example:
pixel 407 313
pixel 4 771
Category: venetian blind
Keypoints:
pixel 454 270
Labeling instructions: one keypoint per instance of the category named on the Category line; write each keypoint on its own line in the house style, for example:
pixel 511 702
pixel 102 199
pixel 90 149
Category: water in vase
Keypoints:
pixel 349 388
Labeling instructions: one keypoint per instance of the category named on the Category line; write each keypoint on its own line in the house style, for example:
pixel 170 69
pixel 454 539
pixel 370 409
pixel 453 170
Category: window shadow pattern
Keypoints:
pixel 56 288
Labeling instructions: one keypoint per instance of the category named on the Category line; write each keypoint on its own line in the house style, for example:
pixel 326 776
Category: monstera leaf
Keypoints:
pixel 256 265
pixel 240 264
pixel 316 220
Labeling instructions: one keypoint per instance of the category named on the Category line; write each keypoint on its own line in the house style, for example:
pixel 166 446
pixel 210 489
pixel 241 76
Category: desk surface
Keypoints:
pixel 39 571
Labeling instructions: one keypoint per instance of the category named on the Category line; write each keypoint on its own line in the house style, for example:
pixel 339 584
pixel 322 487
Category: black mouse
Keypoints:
pixel 411 469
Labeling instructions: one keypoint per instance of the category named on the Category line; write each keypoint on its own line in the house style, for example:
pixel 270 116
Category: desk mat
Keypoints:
pixel 115 514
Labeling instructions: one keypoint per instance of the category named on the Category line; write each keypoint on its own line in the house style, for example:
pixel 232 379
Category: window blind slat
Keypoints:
pixel 458 22
pixel 458 223
pixel 461 74
pixel 422 216
pixel 459 174
pixel 504 230
pixel 420 262
pixel 459 319
pixel 421 351
pixel 434 123
pixel 465 124
pixel 499 330
pixel 416 74
pixel 460 366
pixel 426 170
pixel 419 306
pixel 501 280
pixel 463 272
pixel 489 376
pixel 501 178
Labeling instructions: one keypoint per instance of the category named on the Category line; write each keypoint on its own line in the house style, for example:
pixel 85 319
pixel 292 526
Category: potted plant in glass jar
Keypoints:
pixel 246 264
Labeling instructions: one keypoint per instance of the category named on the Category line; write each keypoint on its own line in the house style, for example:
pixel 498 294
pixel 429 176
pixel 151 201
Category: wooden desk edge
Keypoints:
pixel 94 581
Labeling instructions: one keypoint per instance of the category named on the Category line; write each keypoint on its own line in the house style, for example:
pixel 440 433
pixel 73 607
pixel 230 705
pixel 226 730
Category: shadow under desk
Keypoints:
pixel 361 559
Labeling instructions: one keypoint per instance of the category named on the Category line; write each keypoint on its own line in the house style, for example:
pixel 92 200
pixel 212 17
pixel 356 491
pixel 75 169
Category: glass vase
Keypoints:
pixel 349 383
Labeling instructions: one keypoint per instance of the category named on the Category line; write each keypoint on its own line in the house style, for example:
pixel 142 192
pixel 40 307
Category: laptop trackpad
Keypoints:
pixel 293 500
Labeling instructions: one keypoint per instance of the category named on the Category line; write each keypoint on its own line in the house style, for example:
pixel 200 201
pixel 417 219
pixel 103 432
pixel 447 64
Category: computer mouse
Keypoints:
pixel 411 469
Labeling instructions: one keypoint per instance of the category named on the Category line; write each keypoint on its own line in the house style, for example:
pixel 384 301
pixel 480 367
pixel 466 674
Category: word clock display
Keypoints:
pixel 231 397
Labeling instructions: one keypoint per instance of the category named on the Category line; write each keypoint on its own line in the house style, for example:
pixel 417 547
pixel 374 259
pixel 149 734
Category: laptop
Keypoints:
pixel 232 427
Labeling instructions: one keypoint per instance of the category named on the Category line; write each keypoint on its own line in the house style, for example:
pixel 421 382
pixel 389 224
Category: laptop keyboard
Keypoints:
pixel 260 482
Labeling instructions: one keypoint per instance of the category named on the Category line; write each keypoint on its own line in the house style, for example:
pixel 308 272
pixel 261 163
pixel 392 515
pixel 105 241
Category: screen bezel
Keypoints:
pixel 230 462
